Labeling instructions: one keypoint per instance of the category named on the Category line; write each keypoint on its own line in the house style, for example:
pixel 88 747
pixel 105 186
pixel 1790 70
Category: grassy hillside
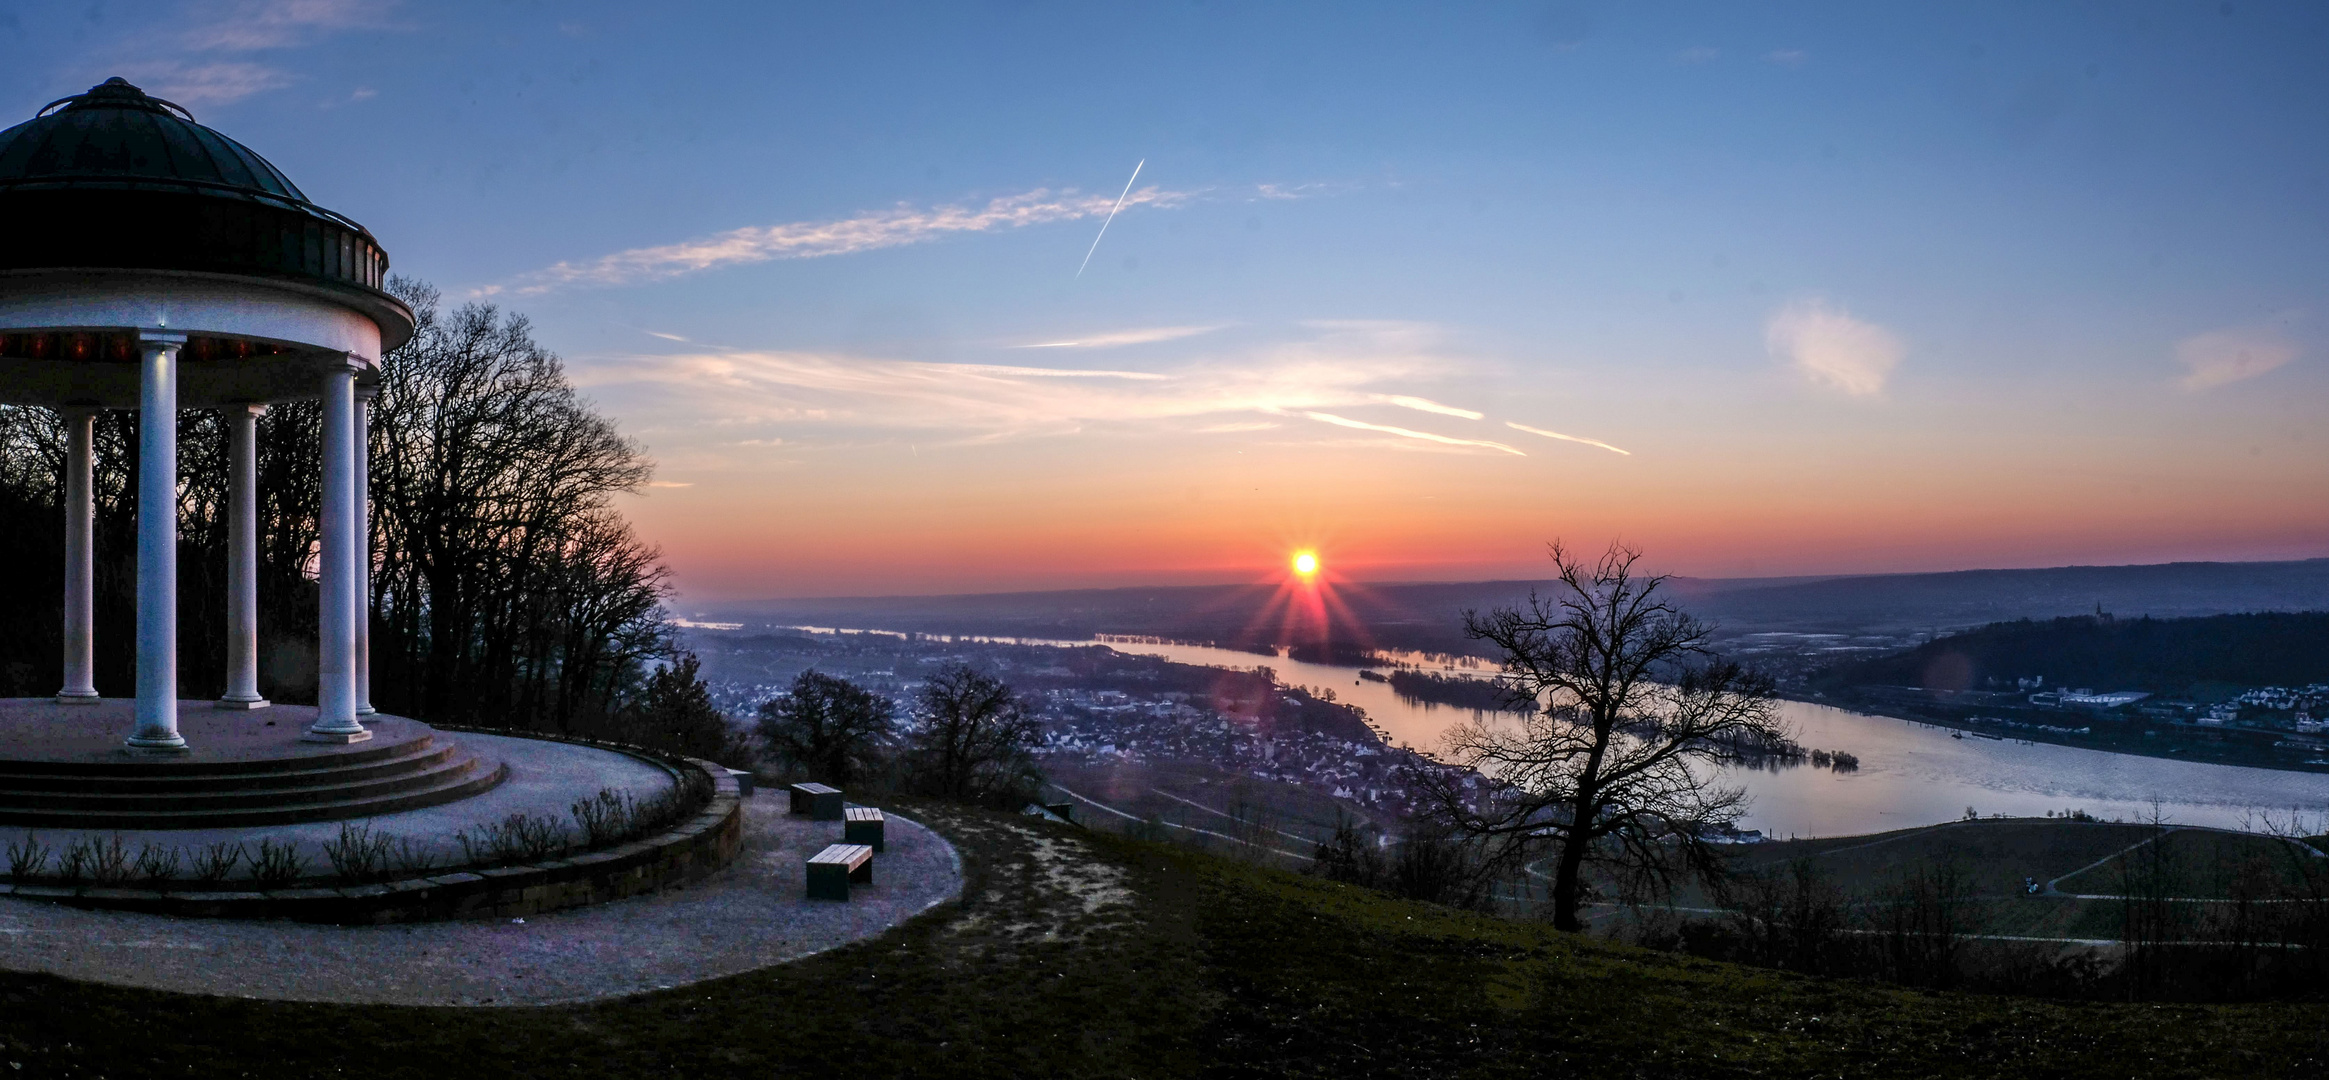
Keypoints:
pixel 1081 954
pixel 2157 655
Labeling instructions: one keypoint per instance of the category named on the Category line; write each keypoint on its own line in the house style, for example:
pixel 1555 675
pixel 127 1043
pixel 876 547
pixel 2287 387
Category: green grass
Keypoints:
pixel 1081 954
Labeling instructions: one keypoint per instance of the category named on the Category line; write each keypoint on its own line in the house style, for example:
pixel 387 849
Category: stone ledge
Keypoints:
pixel 687 851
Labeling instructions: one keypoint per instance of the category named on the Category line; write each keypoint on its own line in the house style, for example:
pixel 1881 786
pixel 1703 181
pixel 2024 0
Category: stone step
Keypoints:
pixel 161 765
pixel 423 754
pixel 186 799
pixel 481 777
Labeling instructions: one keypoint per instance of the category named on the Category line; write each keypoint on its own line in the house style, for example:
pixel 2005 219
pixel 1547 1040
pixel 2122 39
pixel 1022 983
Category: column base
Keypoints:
pixel 90 698
pixel 341 738
pixel 236 703
pixel 367 711
pixel 169 745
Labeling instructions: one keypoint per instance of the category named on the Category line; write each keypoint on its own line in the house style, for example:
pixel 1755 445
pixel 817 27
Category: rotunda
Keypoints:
pixel 154 264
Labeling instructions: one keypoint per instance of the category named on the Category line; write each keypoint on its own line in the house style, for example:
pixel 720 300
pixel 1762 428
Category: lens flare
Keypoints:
pixel 1305 563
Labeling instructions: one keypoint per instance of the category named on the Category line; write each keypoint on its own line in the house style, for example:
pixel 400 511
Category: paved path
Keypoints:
pixel 751 915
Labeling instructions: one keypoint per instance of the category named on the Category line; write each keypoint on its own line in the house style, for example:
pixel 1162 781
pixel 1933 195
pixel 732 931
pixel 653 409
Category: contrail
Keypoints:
pixel 1111 217
pixel 1570 438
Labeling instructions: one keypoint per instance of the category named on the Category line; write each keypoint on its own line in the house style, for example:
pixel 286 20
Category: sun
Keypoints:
pixel 1305 563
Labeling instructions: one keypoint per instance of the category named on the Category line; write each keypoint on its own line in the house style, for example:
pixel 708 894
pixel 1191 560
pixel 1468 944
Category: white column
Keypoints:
pixel 242 558
pixel 363 658
pixel 335 691
pixel 157 545
pixel 80 559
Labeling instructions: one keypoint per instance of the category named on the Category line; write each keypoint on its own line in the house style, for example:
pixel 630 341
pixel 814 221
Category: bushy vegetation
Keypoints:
pixel 968 737
pixel 1479 695
pixel 829 728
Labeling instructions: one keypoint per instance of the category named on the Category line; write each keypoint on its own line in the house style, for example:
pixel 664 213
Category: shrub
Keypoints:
pixel 27 857
pixel 157 865
pixel 277 864
pixel 212 864
pixel 109 860
pixel 358 853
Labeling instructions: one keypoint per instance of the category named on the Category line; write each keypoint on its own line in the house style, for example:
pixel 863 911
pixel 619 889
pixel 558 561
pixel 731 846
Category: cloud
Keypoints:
pixel 203 57
pixel 1426 405
pixel 671 483
pixel 667 337
pixel 252 25
pixel 2232 354
pixel 207 84
pixel 1121 338
pixel 1333 366
pixel 1568 438
pixel 1235 426
pixel 1830 347
pixel 1410 433
pixel 906 224
pixel 1787 57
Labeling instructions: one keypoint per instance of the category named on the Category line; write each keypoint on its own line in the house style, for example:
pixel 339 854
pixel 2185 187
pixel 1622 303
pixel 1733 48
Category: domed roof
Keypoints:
pixel 115 134
pixel 117 180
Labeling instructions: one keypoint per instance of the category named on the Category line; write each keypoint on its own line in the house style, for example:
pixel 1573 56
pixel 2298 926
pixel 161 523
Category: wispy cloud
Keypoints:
pixel 2232 354
pixel 1332 367
pixel 1427 405
pixel 206 57
pixel 252 25
pixel 1699 54
pixel 671 483
pixel 1828 346
pixel 1787 57
pixel 1566 438
pixel 207 84
pixel 905 224
pixel 1120 338
pixel 1409 433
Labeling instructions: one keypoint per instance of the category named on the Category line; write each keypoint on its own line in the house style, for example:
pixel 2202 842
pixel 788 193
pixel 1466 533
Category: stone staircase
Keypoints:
pixel 409 767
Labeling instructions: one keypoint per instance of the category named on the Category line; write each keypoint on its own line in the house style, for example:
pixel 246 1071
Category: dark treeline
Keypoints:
pixel 506 589
pixel 967 736
pixel 1479 695
pixel 2156 655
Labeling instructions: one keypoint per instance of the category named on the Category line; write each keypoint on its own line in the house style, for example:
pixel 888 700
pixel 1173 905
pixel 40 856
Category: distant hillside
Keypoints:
pixel 2155 655
pixel 1970 598
pixel 1427 616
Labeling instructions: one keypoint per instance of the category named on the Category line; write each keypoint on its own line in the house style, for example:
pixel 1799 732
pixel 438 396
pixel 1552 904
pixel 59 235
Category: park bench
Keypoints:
pixel 832 870
pixel 820 802
pixel 862 825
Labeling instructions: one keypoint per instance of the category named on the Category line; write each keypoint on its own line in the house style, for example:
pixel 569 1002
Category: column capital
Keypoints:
pixel 253 409
pixel 77 409
pixel 367 391
pixel 168 338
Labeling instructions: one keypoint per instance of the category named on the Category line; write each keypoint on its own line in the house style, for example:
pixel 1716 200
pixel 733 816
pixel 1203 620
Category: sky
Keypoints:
pixel 1764 289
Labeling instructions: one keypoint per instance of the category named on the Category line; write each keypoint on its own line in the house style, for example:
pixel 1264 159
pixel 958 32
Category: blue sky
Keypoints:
pixel 1858 287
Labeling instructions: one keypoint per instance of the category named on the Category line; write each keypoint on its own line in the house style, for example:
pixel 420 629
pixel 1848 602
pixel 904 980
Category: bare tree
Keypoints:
pixel 833 728
pixel 509 591
pixel 973 739
pixel 1613 764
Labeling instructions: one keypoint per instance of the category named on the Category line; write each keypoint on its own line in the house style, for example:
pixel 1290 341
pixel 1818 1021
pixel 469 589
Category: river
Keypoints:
pixel 1910 774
